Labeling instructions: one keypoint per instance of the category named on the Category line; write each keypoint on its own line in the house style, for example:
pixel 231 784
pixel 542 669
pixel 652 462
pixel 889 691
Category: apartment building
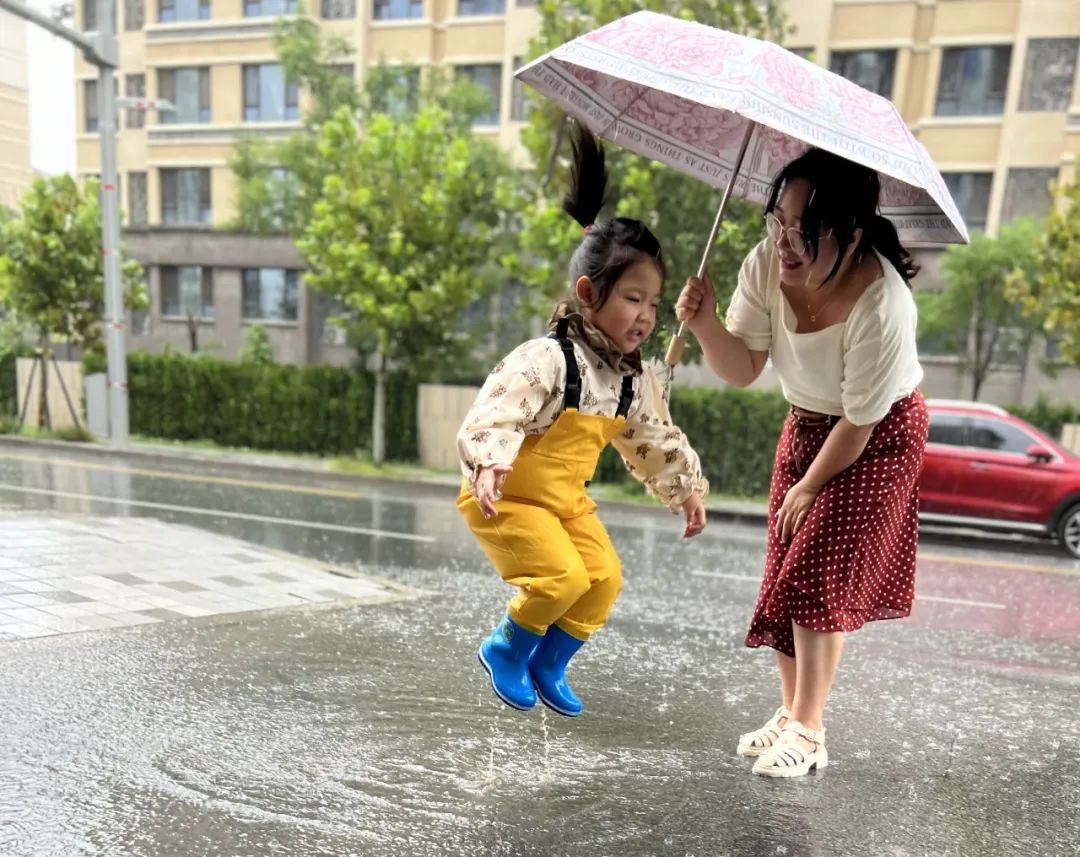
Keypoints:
pixel 989 86
pixel 15 174
pixel 214 59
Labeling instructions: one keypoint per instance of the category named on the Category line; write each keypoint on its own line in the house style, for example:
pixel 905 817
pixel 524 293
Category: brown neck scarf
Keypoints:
pixel 596 339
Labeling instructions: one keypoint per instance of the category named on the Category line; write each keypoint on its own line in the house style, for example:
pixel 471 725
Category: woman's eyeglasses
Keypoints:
pixel 797 239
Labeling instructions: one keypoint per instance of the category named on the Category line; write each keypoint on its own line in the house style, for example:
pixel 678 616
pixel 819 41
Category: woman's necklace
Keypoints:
pixel 815 312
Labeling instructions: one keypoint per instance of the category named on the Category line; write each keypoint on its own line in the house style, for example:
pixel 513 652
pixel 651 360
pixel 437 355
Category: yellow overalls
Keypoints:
pixel 546 538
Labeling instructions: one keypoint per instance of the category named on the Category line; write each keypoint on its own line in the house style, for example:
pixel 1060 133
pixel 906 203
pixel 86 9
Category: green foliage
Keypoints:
pixel 9 397
pixel 1049 291
pixel 51 271
pixel 679 209
pixel 734 432
pixel 256 348
pixel 406 228
pixel 323 410
pixel 1046 415
pixel 974 317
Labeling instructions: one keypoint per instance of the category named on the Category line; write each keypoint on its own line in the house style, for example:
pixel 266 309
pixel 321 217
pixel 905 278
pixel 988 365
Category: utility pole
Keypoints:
pixel 99 48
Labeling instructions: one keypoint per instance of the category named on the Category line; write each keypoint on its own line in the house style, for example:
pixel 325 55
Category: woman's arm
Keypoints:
pixel 841 449
pixel 727 354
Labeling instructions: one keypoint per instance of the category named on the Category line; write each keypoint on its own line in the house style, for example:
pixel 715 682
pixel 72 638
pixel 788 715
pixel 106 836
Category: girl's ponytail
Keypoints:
pixel 588 178
pixel 883 238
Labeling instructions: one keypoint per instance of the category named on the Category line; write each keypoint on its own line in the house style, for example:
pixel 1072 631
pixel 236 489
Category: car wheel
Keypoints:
pixel 1068 531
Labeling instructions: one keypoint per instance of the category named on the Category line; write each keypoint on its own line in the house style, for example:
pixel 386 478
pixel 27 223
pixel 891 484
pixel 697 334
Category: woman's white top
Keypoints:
pixel 857 368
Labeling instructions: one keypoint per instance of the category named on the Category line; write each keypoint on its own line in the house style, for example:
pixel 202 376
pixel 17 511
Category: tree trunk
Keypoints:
pixel 44 420
pixel 193 333
pixel 378 417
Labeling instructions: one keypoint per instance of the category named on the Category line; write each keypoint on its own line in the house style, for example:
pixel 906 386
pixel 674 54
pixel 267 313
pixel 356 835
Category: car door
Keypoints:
pixel 944 487
pixel 1005 483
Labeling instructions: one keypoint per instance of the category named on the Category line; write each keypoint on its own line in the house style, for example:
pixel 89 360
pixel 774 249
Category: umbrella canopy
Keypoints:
pixel 685 95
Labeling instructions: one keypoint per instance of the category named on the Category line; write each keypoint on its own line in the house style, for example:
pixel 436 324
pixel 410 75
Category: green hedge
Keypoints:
pixel 1046 415
pixel 324 410
pixel 733 430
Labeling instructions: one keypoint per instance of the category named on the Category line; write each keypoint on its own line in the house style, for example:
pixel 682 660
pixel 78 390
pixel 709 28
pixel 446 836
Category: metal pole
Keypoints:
pixel 675 348
pixel 100 50
pixel 115 345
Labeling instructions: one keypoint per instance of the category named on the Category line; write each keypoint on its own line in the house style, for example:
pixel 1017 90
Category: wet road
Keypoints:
pixel 371 731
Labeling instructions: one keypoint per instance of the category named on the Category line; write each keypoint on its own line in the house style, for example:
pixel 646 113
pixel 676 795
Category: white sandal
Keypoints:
pixel 757 742
pixel 787 758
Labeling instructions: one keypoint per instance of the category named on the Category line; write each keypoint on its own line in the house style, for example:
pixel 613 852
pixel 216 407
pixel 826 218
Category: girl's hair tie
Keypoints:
pixel 588 229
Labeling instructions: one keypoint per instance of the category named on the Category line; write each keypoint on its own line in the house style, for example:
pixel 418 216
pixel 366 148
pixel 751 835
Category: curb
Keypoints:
pixel 297 470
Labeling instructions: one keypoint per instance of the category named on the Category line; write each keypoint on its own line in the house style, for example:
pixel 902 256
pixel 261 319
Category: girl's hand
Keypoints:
pixel 697 301
pixel 489 483
pixel 795 509
pixel 694 510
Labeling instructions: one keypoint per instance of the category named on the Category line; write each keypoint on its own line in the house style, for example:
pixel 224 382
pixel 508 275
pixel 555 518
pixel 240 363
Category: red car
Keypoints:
pixel 988 469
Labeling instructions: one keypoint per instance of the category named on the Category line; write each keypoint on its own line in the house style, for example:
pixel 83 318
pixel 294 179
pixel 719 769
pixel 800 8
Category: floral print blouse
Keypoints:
pixel 523 396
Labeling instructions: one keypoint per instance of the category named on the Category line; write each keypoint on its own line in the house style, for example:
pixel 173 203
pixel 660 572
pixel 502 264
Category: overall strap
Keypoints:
pixel 627 396
pixel 573 377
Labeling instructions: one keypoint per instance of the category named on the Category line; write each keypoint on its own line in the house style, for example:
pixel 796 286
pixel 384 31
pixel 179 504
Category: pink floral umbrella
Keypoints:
pixel 732 110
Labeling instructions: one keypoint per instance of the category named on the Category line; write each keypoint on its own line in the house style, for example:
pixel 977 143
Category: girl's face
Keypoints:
pixel 784 225
pixel 628 316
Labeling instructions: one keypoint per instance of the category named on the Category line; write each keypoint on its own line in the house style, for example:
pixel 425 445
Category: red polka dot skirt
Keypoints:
pixel 853 560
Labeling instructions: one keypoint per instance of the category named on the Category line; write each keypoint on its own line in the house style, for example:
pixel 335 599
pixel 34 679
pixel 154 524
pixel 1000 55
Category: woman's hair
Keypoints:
pixel 843 198
pixel 611 246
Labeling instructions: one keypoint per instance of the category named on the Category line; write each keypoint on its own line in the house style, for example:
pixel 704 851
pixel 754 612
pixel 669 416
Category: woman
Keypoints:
pixel 827 296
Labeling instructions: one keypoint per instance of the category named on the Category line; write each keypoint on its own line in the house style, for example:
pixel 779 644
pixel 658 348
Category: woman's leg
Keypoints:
pixel 817 657
pixel 788 676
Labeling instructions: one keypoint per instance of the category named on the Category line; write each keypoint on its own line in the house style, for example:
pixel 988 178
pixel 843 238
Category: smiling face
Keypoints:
pixel 798 265
pixel 628 316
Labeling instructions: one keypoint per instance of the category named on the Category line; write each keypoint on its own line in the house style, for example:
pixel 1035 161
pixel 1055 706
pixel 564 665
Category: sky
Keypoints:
pixel 52 97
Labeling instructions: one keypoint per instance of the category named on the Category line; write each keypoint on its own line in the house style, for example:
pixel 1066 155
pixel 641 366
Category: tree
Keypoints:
pixel 679 209
pixel 404 233
pixel 973 316
pixel 51 271
pixel 256 348
pixel 1049 291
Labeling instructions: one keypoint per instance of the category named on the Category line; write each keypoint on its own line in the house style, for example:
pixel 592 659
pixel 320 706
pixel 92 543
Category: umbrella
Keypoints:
pixel 732 110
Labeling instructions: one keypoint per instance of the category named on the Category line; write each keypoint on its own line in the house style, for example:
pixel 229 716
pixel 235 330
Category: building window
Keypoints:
pixel 270 294
pixel 134 14
pixel 185 195
pixel 138 213
pixel 396 10
pixel 519 98
pixel 333 10
pixel 89 15
pixel 1048 74
pixel 973 81
pixel 170 11
pixel 481 7
pixel 187 291
pixel 189 91
pixel 871 70
pixel 523 4
pixel 488 77
pixel 268 97
pixel 396 91
pixel 134 87
pixel 267 8
pixel 971 193
pixel 1027 192
pixel 90 106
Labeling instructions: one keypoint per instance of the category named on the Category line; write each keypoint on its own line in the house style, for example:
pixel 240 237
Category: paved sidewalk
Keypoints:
pixel 61 575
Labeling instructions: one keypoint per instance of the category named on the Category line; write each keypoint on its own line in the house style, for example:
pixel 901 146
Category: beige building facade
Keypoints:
pixel 989 86
pixel 15 172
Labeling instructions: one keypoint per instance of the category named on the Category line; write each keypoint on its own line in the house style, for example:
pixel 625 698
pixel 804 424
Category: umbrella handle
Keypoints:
pixel 678 342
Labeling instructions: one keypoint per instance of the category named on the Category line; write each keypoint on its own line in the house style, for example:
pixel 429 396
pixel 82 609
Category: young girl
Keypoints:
pixel 531 441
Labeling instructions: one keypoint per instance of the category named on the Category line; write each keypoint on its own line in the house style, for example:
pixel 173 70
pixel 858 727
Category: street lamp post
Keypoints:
pixel 99 48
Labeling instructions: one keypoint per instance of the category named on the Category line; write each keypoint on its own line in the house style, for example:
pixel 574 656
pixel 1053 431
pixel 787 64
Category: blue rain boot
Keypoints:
pixel 548 669
pixel 504 654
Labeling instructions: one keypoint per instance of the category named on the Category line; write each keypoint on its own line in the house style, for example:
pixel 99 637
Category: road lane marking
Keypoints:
pixel 1003 564
pixel 191 477
pixel 989 604
pixel 747 577
pixel 216 513
pixel 727 576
